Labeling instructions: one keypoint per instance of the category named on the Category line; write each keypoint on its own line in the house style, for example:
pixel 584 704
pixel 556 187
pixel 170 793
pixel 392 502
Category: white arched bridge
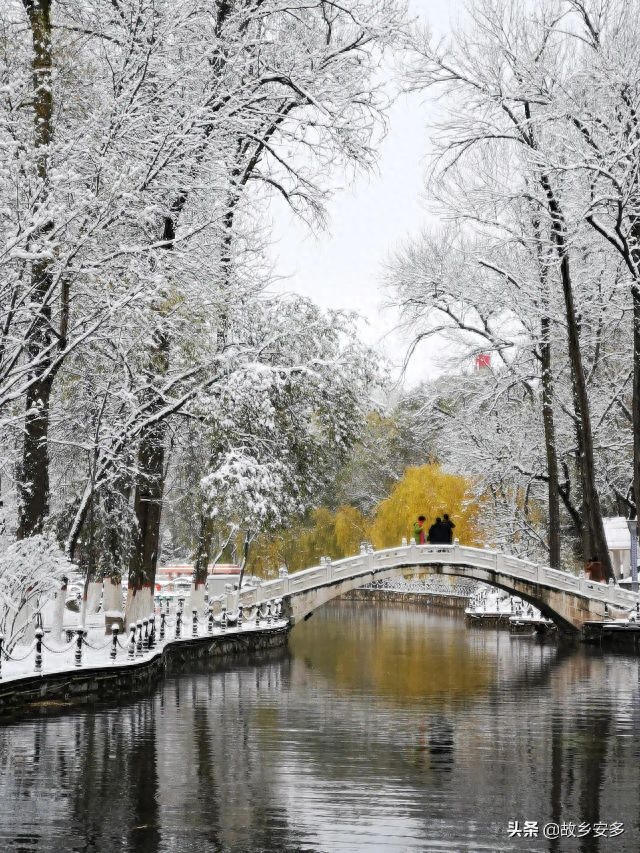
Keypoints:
pixel 566 598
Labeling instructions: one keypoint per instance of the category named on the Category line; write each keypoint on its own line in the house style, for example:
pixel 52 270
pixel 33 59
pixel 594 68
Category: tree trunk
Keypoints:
pixel 147 508
pixel 586 461
pixel 203 551
pixel 635 407
pixel 33 486
pixel 553 487
pixel 33 489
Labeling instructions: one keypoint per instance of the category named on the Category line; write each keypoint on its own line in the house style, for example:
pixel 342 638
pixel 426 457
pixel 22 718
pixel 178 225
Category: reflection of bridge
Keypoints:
pixel 567 599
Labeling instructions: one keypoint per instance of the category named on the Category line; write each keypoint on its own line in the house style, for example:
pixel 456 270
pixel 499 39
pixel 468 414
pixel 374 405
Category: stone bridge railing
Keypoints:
pixel 370 563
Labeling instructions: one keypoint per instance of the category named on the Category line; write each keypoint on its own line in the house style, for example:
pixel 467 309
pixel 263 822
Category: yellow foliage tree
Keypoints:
pixel 351 528
pixel 428 491
pixel 329 534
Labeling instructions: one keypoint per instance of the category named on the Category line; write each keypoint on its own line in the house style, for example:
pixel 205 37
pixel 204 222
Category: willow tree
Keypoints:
pixel 430 491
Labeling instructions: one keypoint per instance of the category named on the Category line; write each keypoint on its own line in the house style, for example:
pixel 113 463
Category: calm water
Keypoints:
pixel 377 730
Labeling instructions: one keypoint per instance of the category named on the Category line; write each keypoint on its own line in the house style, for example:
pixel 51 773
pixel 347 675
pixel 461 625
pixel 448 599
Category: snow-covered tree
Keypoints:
pixel 523 276
pixel 31 571
pixel 143 141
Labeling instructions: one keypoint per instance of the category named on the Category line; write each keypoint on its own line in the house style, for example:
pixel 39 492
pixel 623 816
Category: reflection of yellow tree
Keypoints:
pixel 390 658
pixel 429 491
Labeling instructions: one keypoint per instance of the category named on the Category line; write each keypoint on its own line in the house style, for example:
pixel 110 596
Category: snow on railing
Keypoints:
pixel 371 562
pixel 144 638
pixel 254 608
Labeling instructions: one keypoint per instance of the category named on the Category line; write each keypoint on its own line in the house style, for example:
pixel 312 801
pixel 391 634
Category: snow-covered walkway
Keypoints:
pixel 97 651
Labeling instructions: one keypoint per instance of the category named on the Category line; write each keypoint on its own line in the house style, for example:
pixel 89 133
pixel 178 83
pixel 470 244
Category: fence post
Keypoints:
pixel 162 621
pixel 210 622
pixel 139 641
pixel 114 642
pixel 79 637
pixel 145 639
pixel 132 641
pixel 178 623
pixel 152 631
pixel 194 625
pixel 39 634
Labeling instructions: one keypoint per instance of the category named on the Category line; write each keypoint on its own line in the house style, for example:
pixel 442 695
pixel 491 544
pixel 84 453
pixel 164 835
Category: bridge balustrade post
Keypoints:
pixel 370 560
pixel 328 568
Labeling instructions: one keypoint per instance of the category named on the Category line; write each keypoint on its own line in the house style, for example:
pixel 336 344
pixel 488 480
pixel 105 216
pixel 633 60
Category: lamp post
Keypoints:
pixel 632 524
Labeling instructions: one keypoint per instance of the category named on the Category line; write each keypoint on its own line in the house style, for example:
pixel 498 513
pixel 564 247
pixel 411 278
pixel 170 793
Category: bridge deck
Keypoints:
pixel 489 566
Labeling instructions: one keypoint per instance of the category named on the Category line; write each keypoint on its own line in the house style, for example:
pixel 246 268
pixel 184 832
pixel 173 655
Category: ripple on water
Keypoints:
pixel 381 729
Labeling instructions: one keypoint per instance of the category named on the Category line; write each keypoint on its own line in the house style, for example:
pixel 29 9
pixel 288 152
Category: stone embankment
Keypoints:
pixel 423 599
pixel 57 691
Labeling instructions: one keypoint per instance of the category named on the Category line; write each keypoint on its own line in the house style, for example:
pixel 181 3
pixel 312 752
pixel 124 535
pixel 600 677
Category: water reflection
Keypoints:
pixel 379 730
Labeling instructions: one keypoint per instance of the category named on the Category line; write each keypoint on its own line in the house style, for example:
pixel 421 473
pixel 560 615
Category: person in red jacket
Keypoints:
pixel 419 533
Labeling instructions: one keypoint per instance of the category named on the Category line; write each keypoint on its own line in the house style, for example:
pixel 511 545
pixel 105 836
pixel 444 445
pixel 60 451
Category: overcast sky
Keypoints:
pixel 342 268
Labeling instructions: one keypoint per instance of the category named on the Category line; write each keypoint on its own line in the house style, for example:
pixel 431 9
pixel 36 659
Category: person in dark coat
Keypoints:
pixel 436 533
pixel 448 526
